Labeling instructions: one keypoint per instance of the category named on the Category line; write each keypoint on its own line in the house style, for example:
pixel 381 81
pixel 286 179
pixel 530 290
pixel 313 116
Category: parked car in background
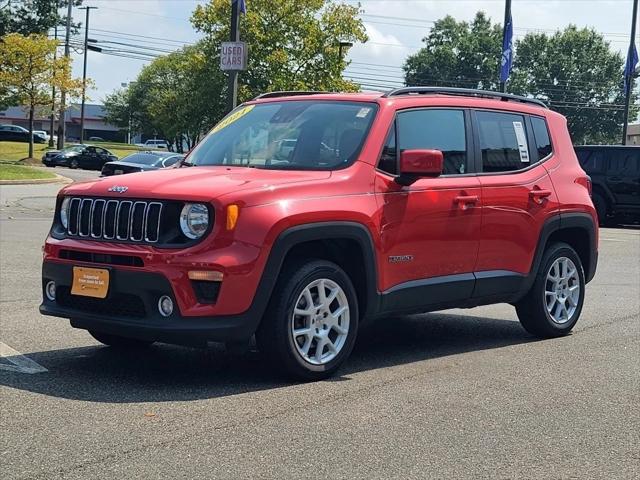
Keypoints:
pixel 16 133
pixel 79 156
pixel 615 175
pixel 96 139
pixel 155 143
pixel 141 162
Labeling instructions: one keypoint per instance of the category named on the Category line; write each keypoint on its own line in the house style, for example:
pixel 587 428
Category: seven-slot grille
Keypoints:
pixel 109 219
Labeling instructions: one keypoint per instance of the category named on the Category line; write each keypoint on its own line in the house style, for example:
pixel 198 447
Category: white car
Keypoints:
pixel 45 135
pixel 159 144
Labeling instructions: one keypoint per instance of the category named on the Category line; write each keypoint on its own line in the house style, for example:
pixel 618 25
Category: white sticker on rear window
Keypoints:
pixel 522 142
pixel 364 111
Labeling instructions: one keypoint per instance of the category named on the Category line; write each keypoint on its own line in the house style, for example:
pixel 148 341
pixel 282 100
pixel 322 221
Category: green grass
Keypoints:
pixel 14 152
pixel 17 172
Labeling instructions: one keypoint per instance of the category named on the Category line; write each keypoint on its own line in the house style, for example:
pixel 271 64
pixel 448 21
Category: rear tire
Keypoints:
pixel 311 323
pixel 117 341
pixel 552 306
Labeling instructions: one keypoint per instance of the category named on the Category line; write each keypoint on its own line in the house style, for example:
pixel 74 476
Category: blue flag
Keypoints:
pixel 507 52
pixel 630 67
pixel 242 6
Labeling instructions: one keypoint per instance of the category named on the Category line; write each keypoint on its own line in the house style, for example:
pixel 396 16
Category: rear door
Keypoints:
pixel 623 175
pixel 517 196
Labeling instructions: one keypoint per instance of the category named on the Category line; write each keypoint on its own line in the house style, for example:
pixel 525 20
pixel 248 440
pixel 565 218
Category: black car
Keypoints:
pixel 141 162
pixel 79 156
pixel 615 175
pixel 16 133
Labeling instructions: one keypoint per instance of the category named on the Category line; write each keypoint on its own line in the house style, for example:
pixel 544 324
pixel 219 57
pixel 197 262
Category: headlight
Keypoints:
pixel 194 220
pixel 64 213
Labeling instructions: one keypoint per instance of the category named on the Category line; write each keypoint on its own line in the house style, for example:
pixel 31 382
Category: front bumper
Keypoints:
pixel 131 310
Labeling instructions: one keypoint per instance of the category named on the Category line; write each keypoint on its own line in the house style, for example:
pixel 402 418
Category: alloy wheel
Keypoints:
pixel 320 321
pixel 562 290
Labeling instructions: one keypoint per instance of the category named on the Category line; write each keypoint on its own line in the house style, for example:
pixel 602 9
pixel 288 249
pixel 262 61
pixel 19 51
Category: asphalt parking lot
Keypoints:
pixel 455 394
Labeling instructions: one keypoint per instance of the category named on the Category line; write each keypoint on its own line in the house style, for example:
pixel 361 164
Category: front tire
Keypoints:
pixel 117 341
pixel 311 323
pixel 553 305
pixel 74 164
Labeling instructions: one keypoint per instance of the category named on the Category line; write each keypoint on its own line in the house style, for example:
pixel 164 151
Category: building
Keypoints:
pixel 633 134
pixel 94 124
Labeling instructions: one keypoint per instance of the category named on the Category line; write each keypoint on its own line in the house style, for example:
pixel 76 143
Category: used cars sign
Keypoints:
pixel 233 56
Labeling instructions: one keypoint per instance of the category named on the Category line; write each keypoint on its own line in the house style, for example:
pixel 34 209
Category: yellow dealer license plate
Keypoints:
pixel 90 282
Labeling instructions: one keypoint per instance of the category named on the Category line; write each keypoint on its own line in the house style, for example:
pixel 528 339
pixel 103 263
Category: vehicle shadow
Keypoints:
pixel 163 373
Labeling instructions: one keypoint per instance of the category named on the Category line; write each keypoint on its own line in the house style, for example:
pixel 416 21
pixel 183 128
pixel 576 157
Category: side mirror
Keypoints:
pixel 419 163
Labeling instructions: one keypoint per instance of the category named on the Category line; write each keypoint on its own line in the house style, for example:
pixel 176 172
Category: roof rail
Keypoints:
pixel 466 92
pixel 285 93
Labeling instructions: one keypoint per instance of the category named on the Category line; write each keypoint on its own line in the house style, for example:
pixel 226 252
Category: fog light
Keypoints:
pixel 165 306
pixel 50 291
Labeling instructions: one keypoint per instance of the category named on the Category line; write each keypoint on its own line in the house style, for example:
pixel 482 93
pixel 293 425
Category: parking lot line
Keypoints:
pixel 21 363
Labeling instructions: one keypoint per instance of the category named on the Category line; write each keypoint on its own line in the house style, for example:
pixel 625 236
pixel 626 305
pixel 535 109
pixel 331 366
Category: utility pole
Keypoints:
pixel 84 70
pixel 505 32
pixel 53 92
pixel 629 77
pixel 63 93
pixel 232 94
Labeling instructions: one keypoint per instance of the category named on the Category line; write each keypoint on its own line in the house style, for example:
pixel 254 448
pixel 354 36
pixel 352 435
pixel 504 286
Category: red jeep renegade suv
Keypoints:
pixel 303 214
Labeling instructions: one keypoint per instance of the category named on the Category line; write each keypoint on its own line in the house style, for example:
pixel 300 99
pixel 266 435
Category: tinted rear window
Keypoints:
pixel 541 134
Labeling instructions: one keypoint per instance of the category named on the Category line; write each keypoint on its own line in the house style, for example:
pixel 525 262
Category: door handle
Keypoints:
pixel 538 196
pixel 465 201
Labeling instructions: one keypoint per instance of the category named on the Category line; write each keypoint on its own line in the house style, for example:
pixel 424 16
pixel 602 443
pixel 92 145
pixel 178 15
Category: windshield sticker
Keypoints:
pixel 522 142
pixel 364 111
pixel 232 117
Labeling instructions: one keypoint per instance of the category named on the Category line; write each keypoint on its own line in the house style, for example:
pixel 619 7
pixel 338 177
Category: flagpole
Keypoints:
pixel 507 16
pixel 629 75
pixel 232 94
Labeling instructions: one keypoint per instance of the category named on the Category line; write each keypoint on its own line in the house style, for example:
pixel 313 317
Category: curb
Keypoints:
pixel 37 181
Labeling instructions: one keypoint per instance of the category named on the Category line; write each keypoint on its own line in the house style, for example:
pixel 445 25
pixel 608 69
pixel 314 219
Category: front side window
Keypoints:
pixel 288 135
pixel 435 129
pixel 503 141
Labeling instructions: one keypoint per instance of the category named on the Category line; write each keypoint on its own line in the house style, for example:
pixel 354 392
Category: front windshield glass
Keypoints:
pixel 294 135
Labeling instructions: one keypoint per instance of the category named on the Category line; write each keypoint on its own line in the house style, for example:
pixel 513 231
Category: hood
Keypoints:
pixel 193 183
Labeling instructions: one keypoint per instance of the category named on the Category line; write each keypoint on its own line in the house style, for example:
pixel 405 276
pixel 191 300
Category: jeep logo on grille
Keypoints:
pixel 118 189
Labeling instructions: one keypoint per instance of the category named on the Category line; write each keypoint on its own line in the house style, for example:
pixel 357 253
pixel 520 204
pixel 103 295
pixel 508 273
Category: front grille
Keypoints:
pixel 99 218
pixel 117 305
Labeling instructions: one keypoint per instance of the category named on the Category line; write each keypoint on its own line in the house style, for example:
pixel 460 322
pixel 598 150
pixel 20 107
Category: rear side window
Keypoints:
pixel 541 134
pixel 442 130
pixel 503 141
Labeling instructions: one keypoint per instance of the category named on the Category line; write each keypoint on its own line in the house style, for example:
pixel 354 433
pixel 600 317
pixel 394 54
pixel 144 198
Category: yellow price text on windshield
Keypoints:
pixel 232 117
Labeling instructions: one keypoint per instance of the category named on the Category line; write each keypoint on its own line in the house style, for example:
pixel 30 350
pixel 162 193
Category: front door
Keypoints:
pixel 429 230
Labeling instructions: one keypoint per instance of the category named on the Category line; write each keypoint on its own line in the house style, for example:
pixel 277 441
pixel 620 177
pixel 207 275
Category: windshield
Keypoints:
pixel 75 148
pixel 295 135
pixel 143 159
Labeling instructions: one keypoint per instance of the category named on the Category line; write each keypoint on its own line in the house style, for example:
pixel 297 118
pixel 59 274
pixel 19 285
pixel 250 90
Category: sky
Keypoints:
pixel 395 29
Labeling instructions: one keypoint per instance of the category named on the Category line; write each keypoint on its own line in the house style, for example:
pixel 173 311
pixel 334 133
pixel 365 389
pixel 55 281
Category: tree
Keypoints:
pixel 577 74
pixel 28 71
pixel 293 44
pixel 458 54
pixel 32 16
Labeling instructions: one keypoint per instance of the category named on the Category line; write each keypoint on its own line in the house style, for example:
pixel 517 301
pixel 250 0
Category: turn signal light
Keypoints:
pixel 206 275
pixel 232 216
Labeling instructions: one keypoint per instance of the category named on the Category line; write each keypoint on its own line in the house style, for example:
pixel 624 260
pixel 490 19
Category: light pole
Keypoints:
pixel 53 92
pixel 63 93
pixel 84 71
